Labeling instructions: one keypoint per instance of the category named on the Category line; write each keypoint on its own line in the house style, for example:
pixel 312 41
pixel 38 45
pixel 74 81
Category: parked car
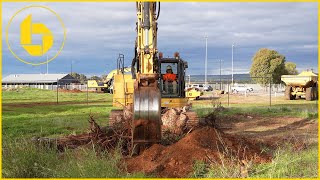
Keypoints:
pixel 207 87
pixel 241 88
pixel 196 86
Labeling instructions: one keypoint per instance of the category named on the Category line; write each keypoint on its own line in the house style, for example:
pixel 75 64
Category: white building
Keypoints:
pixel 41 81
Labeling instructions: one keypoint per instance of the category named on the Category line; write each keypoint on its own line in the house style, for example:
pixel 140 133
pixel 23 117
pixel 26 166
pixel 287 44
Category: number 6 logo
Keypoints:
pixel 27 29
pixel 27 48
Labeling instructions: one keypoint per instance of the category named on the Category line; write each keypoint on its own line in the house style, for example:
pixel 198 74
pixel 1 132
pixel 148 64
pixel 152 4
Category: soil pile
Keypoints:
pixel 11 89
pixel 70 91
pixel 174 120
pixel 205 144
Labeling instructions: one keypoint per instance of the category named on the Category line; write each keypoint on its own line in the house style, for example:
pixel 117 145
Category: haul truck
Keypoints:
pixel 304 84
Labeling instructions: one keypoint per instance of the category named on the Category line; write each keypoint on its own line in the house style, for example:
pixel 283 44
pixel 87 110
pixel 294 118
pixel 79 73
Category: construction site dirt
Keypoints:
pixel 205 144
pixel 239 138
pixel 70 90
pixel 217 140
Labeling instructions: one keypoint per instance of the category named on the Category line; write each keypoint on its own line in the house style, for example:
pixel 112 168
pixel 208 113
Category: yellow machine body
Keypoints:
pixel 304 79
pixel 123 90
pixel 94 84
pixel 193 94
pixel 174 102
pixel 104 84
pixel 115 71
pixel 303 84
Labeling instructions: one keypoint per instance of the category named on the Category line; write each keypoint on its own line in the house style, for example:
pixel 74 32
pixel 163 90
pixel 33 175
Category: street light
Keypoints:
pixel 47 64
pixel 71 68
pixel 220 61
pixel 206 60
pixel 220 70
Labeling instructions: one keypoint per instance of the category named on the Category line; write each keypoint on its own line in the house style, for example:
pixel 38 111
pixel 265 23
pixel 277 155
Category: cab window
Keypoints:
pixel 173 66
pixel 169 88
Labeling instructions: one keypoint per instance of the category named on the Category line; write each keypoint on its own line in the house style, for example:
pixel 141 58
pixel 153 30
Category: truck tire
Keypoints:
pixel 287 93
pixel 315 87
pixel 309 94
pixel 314 93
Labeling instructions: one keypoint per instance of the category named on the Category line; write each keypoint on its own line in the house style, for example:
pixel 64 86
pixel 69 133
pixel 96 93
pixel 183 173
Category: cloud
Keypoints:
pixel 98 32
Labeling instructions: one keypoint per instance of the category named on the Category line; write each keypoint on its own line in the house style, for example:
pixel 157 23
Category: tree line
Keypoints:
pixel 83 78
pixel 269 64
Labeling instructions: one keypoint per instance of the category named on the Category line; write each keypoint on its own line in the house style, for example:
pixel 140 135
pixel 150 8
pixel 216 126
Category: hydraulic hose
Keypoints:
pixel 158 13
pixel 133 63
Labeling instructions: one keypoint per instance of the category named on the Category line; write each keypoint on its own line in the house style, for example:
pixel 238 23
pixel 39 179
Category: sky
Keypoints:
pixel 97 32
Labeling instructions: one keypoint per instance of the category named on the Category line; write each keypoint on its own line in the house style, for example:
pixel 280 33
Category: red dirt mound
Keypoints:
pixel 206 144
pixel 70 91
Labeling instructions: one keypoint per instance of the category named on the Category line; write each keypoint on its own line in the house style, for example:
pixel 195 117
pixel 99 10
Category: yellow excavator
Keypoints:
pixel 107 84
pixel 146 89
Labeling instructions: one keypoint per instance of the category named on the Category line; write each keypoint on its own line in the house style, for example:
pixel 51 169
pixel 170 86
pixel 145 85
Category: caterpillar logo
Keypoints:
pixel 42 35
pixel 27 29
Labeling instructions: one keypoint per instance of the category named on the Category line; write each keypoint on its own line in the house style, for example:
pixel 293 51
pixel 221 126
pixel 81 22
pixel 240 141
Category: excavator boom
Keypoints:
pixel 151 91
pixel 146 128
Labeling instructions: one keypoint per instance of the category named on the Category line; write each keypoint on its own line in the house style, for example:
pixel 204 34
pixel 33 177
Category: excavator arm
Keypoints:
pixel 146 128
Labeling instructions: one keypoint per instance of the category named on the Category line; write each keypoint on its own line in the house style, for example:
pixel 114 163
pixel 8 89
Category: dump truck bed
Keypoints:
pixel 301 79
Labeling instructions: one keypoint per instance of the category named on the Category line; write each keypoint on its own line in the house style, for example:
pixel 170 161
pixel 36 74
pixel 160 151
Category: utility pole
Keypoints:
pixel 220 60
pixel 232 64
pixel 189 79
pixel 71 66
pixel 206 60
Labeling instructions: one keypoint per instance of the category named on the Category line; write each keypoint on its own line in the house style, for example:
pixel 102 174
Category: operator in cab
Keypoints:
pixel 170 79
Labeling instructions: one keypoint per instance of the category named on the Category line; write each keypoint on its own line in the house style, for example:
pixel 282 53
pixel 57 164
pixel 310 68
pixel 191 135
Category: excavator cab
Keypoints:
pixel 173 88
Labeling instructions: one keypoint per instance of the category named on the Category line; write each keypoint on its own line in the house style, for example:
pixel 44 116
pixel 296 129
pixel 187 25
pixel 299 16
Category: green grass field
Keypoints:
pixel 32 112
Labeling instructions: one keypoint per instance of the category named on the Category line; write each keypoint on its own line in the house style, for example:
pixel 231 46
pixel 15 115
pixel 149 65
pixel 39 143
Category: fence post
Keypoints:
pixel 228 93
pixel 57 92
pixel 87 94
pixel 270 90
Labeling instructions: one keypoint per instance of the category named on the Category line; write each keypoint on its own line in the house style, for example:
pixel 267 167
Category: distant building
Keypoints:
pixel 41 81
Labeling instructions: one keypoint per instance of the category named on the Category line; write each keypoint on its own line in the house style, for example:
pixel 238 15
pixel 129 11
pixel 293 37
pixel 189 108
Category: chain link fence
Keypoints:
pixel 255 90
pixel 237 92
pixel 59 92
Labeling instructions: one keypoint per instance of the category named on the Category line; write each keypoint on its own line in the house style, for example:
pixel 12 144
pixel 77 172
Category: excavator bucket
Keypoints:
pixel 146 128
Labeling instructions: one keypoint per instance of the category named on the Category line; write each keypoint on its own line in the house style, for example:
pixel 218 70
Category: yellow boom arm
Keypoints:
pixel 147 97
